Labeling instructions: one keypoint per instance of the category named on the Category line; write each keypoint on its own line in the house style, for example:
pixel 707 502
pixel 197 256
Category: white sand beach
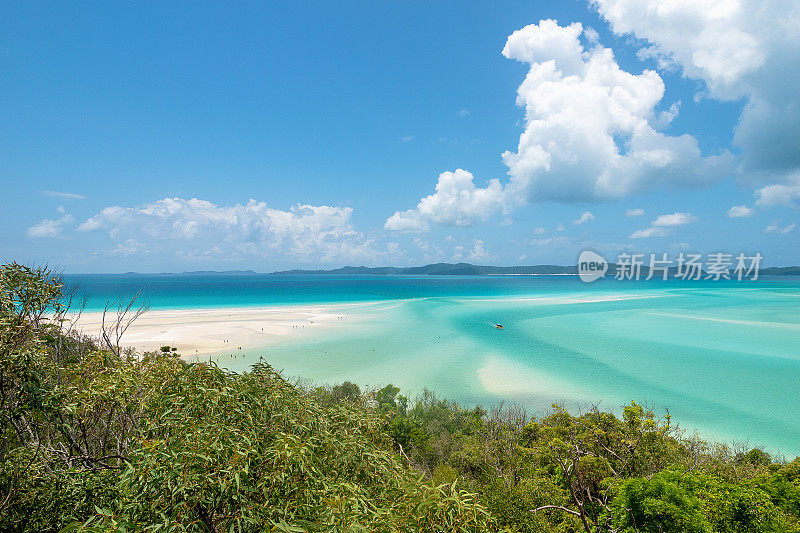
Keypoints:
pixel 197 332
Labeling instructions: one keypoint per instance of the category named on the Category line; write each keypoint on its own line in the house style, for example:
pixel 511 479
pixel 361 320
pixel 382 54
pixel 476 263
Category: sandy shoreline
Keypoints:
pixel 197 332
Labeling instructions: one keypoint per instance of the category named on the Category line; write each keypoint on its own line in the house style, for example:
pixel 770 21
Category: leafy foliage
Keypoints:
pixel 106 441
pixel 595 472
pixel 237 452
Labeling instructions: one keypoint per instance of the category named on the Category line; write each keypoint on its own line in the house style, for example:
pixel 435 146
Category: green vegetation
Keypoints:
pixel 95 438
pixel 595 472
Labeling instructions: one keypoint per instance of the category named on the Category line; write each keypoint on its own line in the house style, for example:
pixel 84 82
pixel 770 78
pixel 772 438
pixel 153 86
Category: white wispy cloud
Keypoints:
pixel 476 253
pixel 663 224
pixel 128 248
pixel 775 227
pixel 740 211
pixel 585 217
pixel 674 219
pixel 65 195
pixel 634 212
pixel 652 231
pixel 573 246
pixel 394 248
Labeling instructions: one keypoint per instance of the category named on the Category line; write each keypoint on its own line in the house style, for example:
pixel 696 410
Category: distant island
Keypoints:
pixel 199 273
pixel 467 269
pixel 443 269
pixel 438 269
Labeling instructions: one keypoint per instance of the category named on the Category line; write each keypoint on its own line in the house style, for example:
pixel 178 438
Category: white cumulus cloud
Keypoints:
pixel 49 227
pixel 591 133
pixel 740 49
pixel 591 127
pixel 251 229
pixel 585 217
pixel 786 194
pixel 456 202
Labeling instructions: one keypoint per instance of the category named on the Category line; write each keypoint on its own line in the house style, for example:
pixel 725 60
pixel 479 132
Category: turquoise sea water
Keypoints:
pixel 722 357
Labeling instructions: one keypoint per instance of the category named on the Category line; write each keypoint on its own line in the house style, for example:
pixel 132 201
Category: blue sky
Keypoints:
pixel 168 137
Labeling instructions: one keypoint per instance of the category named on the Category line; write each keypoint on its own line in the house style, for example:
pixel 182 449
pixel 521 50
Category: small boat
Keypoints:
pixel 499 326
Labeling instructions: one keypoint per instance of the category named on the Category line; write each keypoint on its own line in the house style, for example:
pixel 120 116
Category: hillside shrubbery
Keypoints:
pixel 96 439
pixel 595 472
